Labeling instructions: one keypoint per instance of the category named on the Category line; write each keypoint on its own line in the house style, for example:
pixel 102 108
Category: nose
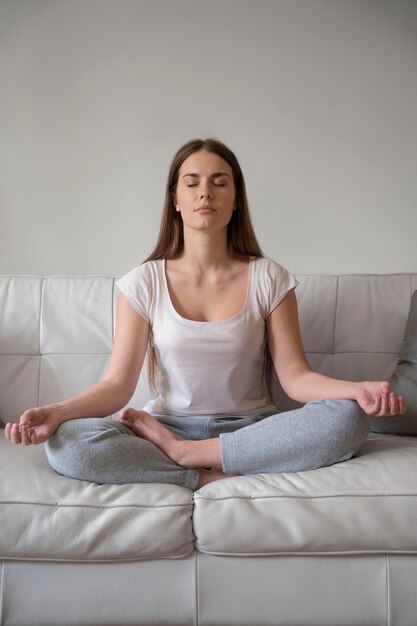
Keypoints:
pixel 205 193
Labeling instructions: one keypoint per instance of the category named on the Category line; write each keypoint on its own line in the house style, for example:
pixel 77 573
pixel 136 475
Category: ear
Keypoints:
pixel 174 200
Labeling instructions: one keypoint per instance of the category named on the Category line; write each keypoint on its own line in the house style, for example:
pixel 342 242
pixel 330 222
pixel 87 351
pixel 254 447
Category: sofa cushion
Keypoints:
pixel 48 516
pixel 366 504
pixel 404 382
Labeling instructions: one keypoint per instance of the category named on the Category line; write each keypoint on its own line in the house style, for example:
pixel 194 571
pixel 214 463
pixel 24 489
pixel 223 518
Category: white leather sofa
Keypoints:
pixel 331 547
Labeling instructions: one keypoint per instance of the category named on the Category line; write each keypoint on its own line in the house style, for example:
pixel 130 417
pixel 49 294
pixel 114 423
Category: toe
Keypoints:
pixel 126 415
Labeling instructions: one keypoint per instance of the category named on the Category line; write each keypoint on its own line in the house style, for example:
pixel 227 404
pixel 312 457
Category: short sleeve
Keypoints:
pixel 275 282
pixel 135 286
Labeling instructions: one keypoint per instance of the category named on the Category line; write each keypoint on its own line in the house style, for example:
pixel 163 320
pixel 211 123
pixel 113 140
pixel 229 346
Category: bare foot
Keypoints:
pixel 146 426
pixel 200 453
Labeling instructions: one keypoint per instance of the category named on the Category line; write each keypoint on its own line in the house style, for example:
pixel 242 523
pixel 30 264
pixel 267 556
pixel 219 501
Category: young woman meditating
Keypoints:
pixel 208 305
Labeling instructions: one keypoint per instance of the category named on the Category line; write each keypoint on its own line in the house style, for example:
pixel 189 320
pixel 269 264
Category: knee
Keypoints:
pixel 351 425
pixel 71 450
pixel 353 419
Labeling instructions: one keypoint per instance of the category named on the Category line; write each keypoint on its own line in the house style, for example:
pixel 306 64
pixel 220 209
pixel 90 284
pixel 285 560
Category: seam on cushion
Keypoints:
pixel 103 507
pixel 40 313
pixel 109 352
pixel 112 311
pixel 197 586
pixel 200 497
pixel 305 496
pixel 335 319
pixel 387 590
pixel 383 275
pixel 56 353
pixel 354 552
pixel 134 559
pixel 1 591
pixel 361 352
pixel 71 353
pixel 40 339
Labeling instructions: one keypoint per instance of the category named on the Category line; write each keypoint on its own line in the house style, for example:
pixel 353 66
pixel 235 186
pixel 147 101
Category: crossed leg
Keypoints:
pixel 321 433
pixel 203 454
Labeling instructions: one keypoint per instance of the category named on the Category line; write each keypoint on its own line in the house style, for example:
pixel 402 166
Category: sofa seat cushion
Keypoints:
pixel 365 505
pixel 47 516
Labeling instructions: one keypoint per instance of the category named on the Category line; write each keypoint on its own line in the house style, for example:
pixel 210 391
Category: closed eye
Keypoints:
pixel 215 184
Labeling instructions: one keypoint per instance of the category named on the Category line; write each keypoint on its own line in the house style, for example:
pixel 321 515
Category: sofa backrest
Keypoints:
pixel 56 333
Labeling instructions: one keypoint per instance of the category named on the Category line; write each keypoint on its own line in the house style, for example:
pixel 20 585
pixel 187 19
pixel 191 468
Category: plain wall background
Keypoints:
pixel 318 99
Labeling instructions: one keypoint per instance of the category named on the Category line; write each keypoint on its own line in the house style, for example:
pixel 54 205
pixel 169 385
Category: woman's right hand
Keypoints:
pixel 35 426
pixel 101 399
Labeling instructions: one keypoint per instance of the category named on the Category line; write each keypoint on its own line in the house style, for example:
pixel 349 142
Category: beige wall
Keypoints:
pixel 318 98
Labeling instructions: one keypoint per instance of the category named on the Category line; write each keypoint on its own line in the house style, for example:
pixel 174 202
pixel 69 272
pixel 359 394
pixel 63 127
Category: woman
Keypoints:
pixel 209 304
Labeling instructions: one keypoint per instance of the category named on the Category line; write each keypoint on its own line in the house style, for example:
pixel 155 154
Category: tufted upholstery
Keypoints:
pixel 332 546
pixel 56 332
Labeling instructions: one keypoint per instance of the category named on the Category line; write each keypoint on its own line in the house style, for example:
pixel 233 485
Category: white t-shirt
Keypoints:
pixel 208 368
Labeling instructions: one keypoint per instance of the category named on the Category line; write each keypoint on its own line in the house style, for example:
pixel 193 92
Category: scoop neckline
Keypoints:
pixel 227 320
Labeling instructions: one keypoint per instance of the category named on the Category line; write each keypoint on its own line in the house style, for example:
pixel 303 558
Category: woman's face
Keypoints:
pixel 205 194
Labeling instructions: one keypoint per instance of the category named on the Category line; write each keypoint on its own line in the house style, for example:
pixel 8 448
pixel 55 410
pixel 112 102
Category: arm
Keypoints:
pixel 101 399
pixel 301 383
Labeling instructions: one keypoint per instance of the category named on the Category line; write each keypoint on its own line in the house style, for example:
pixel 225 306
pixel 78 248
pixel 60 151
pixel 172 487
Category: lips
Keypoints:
pixel 205 208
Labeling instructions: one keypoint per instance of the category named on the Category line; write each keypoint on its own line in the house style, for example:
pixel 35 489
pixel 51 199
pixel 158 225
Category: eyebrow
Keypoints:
pixel 195 175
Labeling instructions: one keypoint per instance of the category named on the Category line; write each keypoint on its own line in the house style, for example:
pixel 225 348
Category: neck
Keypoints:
pixel 204 251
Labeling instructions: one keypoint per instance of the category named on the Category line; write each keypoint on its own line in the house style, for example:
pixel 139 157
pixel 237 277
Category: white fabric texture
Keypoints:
pixel 208 368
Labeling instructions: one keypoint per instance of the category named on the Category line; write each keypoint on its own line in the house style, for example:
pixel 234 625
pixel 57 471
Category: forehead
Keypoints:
pixel 204 163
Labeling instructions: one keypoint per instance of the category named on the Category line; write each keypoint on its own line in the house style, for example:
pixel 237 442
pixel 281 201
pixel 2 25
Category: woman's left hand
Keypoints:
pixel 378 399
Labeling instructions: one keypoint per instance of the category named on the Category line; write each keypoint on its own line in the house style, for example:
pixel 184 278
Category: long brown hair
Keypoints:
pixel 241 238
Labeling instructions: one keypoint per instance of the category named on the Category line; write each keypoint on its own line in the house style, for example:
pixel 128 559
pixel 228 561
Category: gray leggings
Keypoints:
pixel 319 434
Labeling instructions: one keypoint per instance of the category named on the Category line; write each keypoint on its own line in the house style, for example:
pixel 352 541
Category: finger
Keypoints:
pixel 385 407
pixel 27 417
pixel 15 433
pixel 403 405
pixel 376 408
pixel 394 404
pixel 7 430
pixel 127 414
pixel 122 414
pixel 126 420
pixel 24 435
pixel 386 387
pixel 33 436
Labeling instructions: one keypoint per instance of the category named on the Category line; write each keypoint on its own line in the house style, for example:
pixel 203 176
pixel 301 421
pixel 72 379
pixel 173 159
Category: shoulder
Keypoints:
pixel 273 281
pixel 141 287
pixel 267 267
pixel 145 273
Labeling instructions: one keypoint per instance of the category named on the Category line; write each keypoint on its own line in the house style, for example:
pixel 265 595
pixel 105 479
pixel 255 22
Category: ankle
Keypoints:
pixel 179 451
pixel 209 476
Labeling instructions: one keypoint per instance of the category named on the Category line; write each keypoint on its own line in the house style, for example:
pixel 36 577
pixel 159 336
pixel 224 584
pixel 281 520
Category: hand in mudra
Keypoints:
pixel 35 426
pixel 378 399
